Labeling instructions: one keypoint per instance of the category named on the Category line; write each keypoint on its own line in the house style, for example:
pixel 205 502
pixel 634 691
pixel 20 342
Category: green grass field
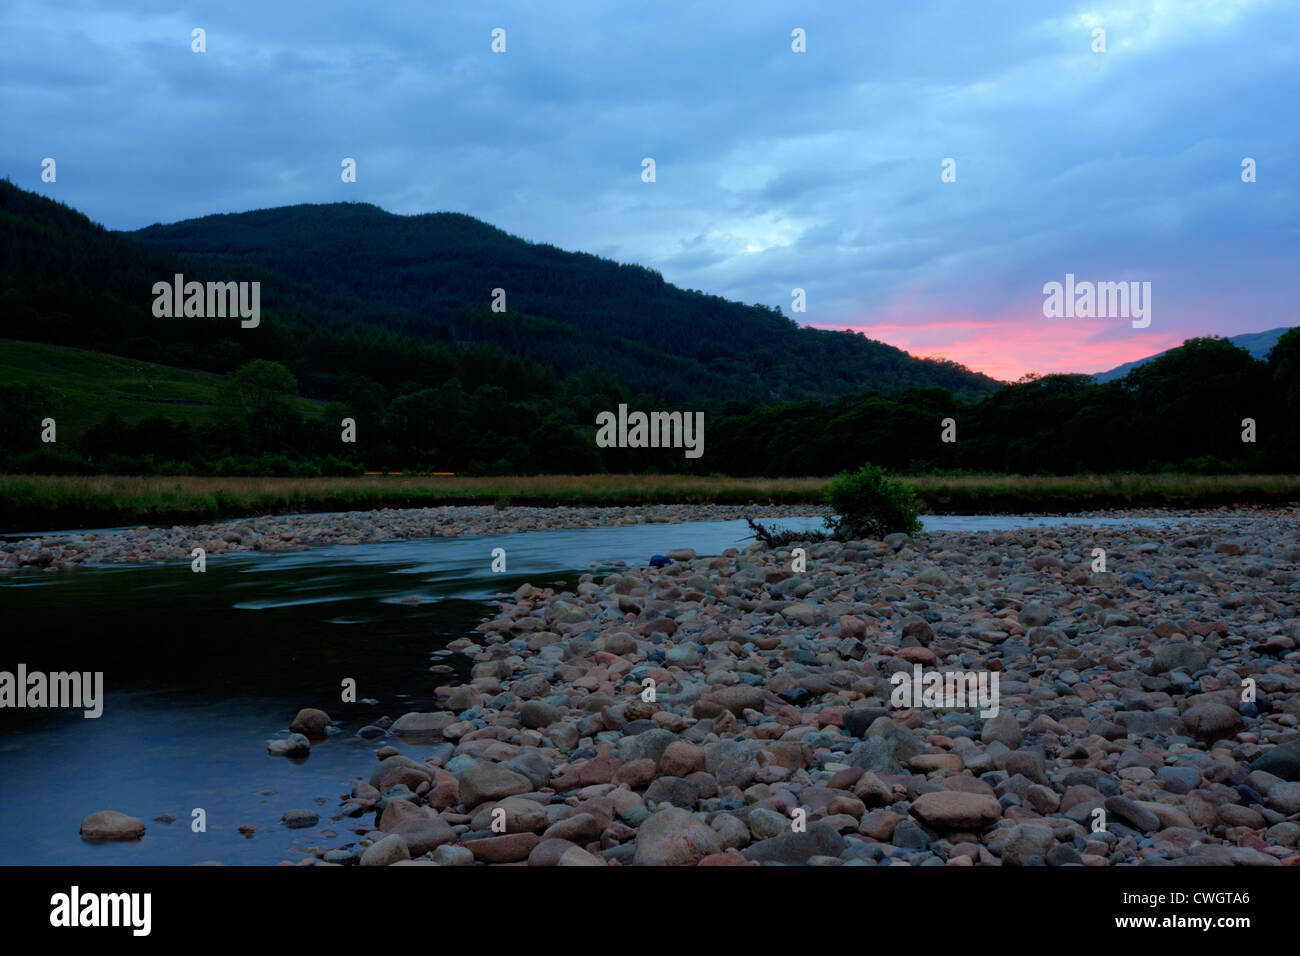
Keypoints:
pixel 31 502
pixel 87 386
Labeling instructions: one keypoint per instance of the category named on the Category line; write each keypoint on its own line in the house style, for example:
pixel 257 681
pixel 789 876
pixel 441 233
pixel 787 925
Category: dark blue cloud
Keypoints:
pixel 775 170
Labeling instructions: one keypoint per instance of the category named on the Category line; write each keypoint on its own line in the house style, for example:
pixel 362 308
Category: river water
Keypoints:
pixel 200 670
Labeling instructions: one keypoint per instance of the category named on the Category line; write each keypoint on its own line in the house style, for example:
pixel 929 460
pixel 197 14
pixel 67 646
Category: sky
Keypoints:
pixel 775 170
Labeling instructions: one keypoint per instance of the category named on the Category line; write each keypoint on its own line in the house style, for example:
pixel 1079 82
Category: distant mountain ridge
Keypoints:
pixel 433 275
pixel 1258 344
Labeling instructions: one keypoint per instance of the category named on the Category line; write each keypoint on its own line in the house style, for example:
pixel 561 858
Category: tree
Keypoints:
pixel 254 399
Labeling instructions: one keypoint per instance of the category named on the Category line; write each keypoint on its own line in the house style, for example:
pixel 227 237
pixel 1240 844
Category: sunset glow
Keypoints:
pixel 1010 348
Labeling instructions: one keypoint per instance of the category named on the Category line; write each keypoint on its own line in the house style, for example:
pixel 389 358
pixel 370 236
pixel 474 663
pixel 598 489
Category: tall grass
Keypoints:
pixel 1091 486
pixel 30 502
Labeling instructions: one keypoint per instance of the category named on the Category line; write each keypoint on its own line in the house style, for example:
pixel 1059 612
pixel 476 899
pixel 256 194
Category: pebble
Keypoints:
pixel 111 825
pixel 295 745
pixel 300 819
pixel 773 736
pixel 386 851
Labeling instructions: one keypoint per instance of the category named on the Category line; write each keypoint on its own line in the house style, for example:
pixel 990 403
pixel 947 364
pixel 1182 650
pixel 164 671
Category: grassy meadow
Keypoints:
pixel 87 386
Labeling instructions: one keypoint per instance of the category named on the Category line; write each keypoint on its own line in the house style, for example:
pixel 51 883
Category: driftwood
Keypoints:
pixel 782 537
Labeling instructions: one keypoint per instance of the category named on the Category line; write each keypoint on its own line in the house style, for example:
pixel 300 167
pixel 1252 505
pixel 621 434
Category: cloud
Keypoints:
pixel 776 170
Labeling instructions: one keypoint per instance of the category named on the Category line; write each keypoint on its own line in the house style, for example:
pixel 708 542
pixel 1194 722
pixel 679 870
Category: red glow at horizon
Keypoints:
pixel 1008 348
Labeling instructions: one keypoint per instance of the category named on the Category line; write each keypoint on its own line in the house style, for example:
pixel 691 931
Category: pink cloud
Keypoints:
pixel 868 329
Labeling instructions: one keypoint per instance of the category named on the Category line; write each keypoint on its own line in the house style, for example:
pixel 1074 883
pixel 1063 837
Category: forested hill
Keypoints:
pixel 442 387
pixel 433 276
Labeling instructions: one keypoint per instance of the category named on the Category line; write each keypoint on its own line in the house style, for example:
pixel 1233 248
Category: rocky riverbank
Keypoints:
pixel 1125 732
pixel 273 533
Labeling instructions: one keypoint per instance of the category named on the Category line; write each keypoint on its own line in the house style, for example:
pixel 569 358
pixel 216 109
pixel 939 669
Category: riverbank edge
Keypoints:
pixel 270 534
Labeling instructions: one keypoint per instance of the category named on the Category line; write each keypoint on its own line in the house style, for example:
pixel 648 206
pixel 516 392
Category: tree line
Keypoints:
pixel 1183 411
